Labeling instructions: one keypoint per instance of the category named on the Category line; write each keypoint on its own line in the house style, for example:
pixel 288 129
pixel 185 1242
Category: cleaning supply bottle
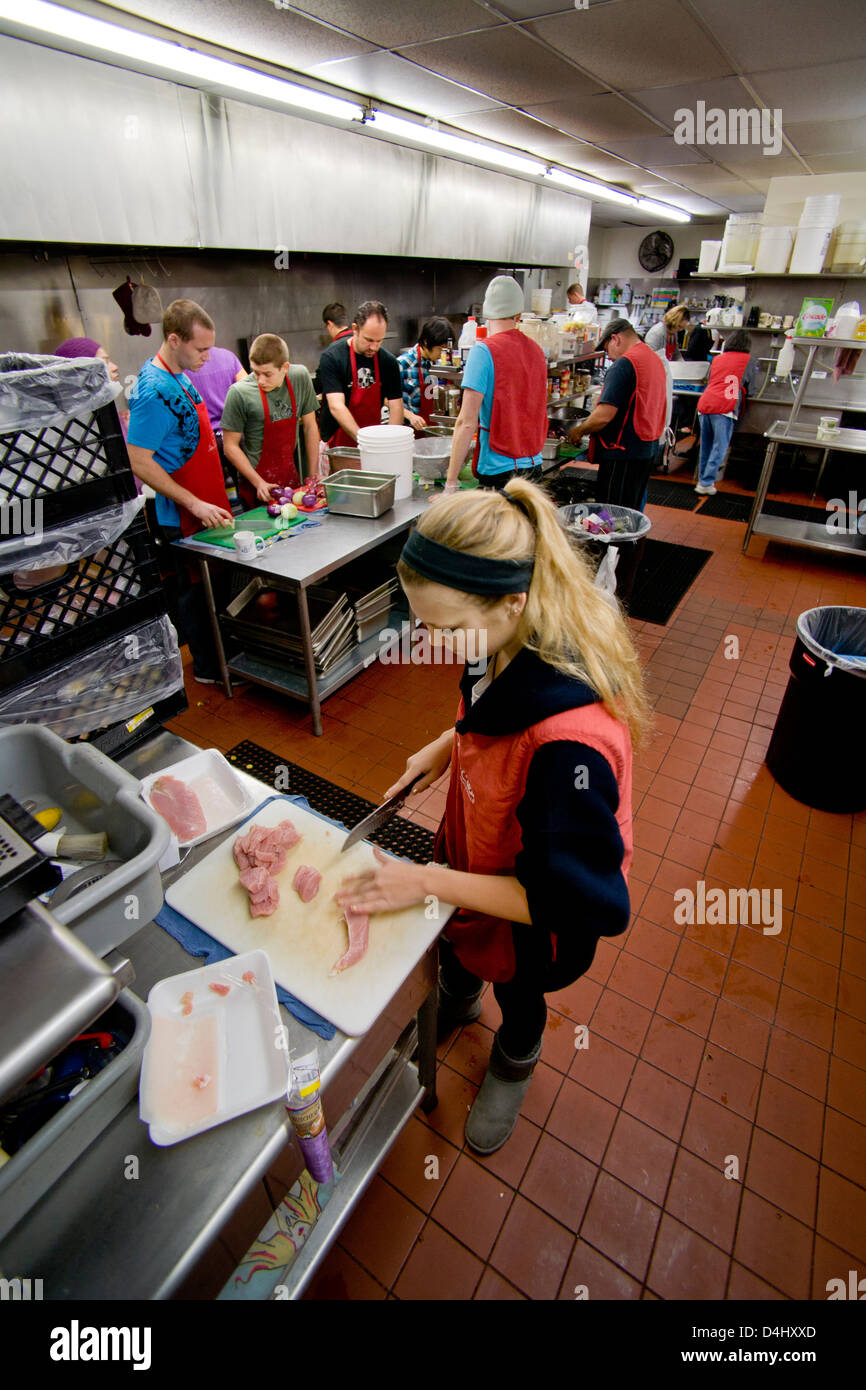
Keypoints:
pixel 786 358
pixel 467 337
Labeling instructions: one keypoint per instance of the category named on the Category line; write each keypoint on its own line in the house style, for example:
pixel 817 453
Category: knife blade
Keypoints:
pixel 380 816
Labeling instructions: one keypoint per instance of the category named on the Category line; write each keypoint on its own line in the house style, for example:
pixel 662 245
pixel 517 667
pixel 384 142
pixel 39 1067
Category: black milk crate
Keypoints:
pixel 69 470
pixel 98 597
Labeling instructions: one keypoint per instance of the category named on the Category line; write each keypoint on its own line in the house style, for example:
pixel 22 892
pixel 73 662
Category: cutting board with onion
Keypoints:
pixel 303 940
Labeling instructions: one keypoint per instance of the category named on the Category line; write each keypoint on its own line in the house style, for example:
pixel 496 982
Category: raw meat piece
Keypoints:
pixel 249 977
pixel 186 1002
pixel 201 1081
pixel 255 881
pixel 179 805
pixel 268 902
pixel 220 989
pixel 265 847
pixel 306 883
pixel 359 928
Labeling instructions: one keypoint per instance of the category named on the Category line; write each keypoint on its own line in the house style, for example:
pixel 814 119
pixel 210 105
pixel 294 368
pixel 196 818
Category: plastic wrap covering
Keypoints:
pixel 24 555
pixel 837 636
pixel 36 392
pixel 116 681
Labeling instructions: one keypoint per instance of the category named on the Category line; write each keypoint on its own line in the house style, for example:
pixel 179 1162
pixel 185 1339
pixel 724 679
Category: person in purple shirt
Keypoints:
pixel 212 381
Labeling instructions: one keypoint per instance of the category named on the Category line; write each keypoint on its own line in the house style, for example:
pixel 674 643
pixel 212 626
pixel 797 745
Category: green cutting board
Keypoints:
pixel 257 521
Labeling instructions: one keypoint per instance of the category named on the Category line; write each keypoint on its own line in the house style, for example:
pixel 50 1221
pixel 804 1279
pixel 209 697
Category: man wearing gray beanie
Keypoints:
pixel 504 396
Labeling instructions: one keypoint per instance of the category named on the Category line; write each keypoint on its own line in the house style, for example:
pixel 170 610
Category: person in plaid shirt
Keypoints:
pixel 418 385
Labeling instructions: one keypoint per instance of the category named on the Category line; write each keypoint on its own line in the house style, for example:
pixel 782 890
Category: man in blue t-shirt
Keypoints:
pixel 164 435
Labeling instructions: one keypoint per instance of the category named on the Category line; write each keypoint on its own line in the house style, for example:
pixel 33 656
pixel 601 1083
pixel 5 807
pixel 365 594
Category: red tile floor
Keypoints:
pixel 704 1042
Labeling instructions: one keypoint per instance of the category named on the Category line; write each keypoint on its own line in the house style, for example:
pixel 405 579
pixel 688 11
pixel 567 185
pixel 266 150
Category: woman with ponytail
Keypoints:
pixel 536 841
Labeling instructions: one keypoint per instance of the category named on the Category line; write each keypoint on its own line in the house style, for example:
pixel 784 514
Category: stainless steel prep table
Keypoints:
pixel 98 1234
pixel 293 565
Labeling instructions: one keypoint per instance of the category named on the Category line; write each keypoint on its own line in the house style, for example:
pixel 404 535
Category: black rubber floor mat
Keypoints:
pixel 400 836
pixel 665 494
pixel 727 506
pixel 666 573
pixel 793 511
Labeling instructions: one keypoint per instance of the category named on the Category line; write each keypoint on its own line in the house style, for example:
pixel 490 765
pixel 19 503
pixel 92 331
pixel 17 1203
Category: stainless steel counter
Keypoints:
pixel 294 564
pixel 130 1220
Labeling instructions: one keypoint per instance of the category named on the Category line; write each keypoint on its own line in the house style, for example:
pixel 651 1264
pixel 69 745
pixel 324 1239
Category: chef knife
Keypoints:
pixel 380 816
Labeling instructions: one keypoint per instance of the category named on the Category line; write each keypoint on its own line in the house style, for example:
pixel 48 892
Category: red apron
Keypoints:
pixel 277 461
pixel 365 403
pixel 518 417
pixel 202 474
pixel 648 402
pixel 343 333
pixel 426 393
pixel 480 832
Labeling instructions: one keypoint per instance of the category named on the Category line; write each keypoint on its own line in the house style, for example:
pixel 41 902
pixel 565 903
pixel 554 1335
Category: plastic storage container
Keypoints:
pixel 709 257
pixel 60 439
pixel 774 250
pixel 848 253
pixel 540 301
pixel 817 752
pixel 94 795
pixel 740 242
pixel 38 1164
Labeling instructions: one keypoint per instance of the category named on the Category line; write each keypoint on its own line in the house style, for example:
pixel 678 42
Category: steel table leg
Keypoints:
pixel 215 627
pixel 820 474
pixel 761 494
pixel 309 662
pixel 427 1046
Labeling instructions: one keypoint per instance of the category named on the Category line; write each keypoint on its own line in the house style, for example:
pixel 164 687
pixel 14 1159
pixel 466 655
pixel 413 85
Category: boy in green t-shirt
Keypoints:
pixel 260 422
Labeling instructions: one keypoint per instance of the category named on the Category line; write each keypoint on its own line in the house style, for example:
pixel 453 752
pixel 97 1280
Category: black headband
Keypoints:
pixel 457 569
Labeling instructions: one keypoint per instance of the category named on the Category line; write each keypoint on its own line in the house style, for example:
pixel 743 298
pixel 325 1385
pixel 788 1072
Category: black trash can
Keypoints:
pixel 633 527
pixel 818 750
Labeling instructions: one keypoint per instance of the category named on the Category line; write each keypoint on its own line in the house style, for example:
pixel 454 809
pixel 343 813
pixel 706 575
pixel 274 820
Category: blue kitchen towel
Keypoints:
pixel 198 943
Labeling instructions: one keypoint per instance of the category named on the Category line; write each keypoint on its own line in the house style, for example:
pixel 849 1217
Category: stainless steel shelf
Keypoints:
pixel 808 533
pixel 291 681
pixel 846 441
pixel 778 275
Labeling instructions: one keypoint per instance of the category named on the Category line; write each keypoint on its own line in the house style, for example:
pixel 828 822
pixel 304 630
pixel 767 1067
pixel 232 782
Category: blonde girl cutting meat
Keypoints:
pixel 536 840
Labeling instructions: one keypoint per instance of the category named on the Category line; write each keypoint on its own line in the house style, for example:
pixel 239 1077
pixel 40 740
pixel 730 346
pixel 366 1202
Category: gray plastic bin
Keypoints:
pixel 45 1157
pixel 94 794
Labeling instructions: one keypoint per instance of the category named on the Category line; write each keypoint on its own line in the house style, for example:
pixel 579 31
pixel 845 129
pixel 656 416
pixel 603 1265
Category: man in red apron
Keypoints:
pixel 263 410
pixel 357 376
pixel 172 449
pixel 504 396
pixel 419 385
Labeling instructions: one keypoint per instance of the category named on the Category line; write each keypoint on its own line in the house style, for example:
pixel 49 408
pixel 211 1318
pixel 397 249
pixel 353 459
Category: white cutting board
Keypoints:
pixel 304 940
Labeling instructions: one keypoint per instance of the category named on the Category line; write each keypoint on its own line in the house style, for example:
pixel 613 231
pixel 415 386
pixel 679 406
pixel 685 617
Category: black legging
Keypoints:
pixel 520 999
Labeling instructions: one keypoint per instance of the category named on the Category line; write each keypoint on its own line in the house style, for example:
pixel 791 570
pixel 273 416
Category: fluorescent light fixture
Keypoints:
pixel 663 210
pixel 453 144
pixel 592 190
pixel 112 40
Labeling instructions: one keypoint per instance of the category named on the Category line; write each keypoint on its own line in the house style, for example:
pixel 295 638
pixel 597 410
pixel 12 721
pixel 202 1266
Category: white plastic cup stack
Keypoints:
pixel 817 221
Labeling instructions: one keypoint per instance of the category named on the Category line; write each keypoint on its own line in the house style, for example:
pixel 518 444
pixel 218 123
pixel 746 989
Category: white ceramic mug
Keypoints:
pixel 247 544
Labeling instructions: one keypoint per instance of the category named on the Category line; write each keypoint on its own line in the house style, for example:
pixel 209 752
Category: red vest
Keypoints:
pixel 649 399
pixel 518 418
pixel 480 832
pixel 722 392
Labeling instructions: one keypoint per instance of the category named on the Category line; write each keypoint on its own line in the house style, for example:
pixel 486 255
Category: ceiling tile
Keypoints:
pixel 704 178
pixel 827 137
pixel 781 33
pixel 745 202
pixel 600 118
pixel 665 102
pixel 594 162
pixel 749 164
pixel 393 79
pixel 502 63
pixel 532 9
pixel 634 43
pixel 511 127
pixel 830 92
pixel 387 22
pixel 659 149
pixel 839 163
pixel 276 36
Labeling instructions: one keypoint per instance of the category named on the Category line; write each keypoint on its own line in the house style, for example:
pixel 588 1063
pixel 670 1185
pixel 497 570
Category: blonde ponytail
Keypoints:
pixel 567 621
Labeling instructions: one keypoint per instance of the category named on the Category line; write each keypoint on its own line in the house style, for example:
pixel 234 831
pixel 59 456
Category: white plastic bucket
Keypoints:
pixel 389 449
pixel 709 257
pixel 810 248
pixel 774 250
pixel 541 301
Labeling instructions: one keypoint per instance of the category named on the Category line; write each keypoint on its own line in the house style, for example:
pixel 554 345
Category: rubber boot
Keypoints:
pixel 494 1114
pixel 456 1010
